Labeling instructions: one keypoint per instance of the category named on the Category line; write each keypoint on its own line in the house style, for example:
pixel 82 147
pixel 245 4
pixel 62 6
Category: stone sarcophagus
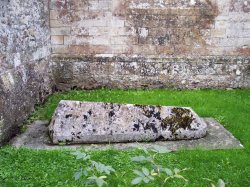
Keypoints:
pixel 91 122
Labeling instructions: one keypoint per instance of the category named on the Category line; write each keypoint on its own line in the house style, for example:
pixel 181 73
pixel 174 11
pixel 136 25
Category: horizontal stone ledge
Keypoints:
pixel 149 58
pixel 91 122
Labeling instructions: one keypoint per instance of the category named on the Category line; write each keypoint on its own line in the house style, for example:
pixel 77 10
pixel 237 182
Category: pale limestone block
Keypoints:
pixel 57 23
pixel 60 31
pixel 53 14
pixel 59 49
pixel 218 33
pixel 89 122
pixel 57 40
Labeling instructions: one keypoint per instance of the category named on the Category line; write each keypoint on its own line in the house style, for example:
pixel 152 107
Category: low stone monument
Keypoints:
pixel 92 122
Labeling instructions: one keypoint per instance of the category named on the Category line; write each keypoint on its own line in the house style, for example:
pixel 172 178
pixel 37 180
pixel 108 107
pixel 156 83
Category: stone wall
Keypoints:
pixel 148 72
pixel 117 44
pixel 151 27
pixel 150 43
pixel 24 61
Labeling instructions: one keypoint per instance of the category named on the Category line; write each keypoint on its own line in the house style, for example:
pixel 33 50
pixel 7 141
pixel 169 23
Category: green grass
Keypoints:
pixel 24 167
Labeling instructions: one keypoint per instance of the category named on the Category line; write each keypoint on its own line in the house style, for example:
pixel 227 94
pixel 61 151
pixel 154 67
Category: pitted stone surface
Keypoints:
pixel 150 27
pixel 181 44
pixel 36 137
pixel 88 122
pixel 89 72
pixel 25 75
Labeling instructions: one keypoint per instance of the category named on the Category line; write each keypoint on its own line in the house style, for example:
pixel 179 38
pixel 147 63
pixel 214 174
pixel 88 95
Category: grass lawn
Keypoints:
pixel 24 167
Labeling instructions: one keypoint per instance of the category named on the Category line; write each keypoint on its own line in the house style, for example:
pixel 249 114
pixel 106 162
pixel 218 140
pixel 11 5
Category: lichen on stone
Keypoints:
pixel 180 118
pixel 111 122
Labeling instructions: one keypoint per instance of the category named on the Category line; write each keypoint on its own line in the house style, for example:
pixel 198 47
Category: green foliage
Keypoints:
pixel 93 172
pixel 156 170
pixel 141 158
pixel 98 180
pixel 81 155
pixel 142 176
pixel 220 183
pixel 219 104
pixel 27 167
pixel 96 172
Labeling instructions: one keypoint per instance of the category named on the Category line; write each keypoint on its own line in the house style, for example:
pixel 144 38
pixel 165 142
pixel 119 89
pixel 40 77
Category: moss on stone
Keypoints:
pixel 181 118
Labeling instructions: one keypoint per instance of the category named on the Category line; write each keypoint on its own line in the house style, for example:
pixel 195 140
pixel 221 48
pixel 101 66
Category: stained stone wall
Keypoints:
pixel 150 43
pixel 66 44
pixel 147 72
pixel 151 27
pixel 24 61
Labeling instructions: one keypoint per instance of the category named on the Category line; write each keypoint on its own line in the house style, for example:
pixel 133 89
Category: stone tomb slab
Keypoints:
pixel 92 122
pixel 36 137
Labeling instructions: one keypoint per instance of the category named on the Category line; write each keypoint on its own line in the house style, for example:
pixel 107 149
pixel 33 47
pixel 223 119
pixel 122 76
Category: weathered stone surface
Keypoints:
pixel 88 72
pixel 25 77
pixel 20 90
pixel 24 32
pixel 151 43
pixel 181 44
pixel 88 122
pixel 149 27
pixel 36 137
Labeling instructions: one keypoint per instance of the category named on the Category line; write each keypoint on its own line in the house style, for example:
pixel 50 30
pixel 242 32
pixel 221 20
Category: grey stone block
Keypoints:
pixel 89 122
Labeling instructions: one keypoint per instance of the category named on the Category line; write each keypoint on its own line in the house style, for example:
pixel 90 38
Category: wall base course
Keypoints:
pixel 89 72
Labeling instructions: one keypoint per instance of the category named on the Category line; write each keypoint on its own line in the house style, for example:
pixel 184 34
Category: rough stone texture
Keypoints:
pixel 89 72
pixel 91 122
pixel 151 43
pixel 36 137
pixel 156 43
pixel 150 27
pixel 24 32
pixel 25 77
